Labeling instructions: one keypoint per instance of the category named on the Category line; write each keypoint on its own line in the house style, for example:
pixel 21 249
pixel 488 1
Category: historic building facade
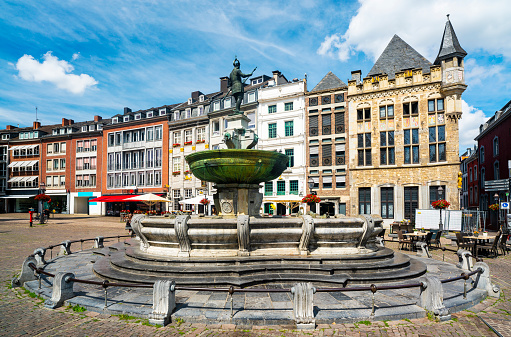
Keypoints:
pixel 403 130
pixel 325 124
pixel 280 127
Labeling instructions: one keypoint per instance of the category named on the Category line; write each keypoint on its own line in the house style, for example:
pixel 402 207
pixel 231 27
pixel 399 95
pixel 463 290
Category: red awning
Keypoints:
pixel 112 198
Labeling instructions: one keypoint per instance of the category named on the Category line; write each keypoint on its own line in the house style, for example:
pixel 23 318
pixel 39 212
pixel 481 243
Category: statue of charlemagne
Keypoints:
pixel 237 85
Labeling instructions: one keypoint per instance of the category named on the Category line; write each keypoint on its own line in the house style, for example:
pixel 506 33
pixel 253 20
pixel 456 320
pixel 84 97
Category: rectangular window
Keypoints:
pixel 268 188
pixel 49 148
pixel 272 130
pixel 289 128
pixel 176 164
pixel 327 154
pixel 314 156
pixel 387 149
pixel 387 202
pixel 288 106
pixel 188 136
pixel 339 122
pixel 158 133
pixel 150 134
pixel 364 200
pixel 110 139
pixel 411 108
pixel 272 109
pixel 281 187
pixel 364 149
pixel 411 202
pixel 364 114
pixel 201 134
pixel 291 154
pixel 411 146
pixel 437 143
pixel 327 181
pixel 326 126
pixel 177 138
pixel 434 193
pixel 293 187
pixel 386 111
pixel 93 145
pixel 340 181
pixel 313 125
pixel 340 152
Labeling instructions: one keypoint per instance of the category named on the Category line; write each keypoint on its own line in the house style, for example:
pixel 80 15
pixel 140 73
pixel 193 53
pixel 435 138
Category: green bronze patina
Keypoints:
pixel 237 166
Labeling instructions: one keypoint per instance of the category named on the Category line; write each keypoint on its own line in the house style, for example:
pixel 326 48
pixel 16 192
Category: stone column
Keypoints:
pixel 483 280
pixel 432 297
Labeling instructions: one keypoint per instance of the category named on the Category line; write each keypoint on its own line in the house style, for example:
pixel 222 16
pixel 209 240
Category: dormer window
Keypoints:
pixel 84 128
pixel 5 137
pixel 149 114
pixel 216 106
pixel 257 81
pixel 163 112
pixel 62 131
pixel 190 101
pixel 188 112
pixel 126 118
pixel 227 102
pixel 54 132
pixel 176 115
pixel 91 127
pixel 100 126
pixel 115 120
pixel 138 117
pixel 69 130
pixel 201 98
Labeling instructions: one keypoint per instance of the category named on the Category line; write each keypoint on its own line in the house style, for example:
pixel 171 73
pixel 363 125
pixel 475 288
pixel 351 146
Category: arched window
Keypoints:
pixel 495 146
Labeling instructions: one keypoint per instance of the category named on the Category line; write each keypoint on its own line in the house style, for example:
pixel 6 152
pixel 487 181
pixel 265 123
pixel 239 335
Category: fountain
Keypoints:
pixel 241 248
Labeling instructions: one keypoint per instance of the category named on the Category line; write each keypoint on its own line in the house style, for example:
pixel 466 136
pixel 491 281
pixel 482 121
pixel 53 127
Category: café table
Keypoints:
pixel 479 240
pixel 415 236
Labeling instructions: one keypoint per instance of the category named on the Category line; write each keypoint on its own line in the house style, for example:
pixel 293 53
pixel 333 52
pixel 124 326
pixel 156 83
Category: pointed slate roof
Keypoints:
pixel 398 56
pixel 450 45
pixel 330 81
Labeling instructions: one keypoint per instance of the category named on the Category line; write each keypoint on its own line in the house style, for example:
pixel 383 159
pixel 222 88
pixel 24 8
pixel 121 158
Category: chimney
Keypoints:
pixel 97 118
pixel 276 75
pixel 70 122
pixel 356 75
pixel 195 96
pixel 64 121
pixel 223 84
pixel 37 125
pixel 127 110
pixel 10 127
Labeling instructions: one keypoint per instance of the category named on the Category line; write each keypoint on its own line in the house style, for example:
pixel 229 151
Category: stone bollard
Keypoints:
pixel 39 256
pixel 65 248
pixel 164 302
pixel 98 242
pixel 303 305
pixel 424 249
pixel 62 290
pixel 307 233
pixel 27 273
pixel 432 297
pixel 483 280
pixel 466 261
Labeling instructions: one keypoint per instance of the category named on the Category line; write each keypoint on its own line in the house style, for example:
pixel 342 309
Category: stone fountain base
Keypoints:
pixel 132 265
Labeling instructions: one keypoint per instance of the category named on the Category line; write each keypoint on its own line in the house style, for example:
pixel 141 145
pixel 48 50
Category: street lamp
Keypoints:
pixel 496 196
pixel 42 189
pixel 310 182
pixel 440 192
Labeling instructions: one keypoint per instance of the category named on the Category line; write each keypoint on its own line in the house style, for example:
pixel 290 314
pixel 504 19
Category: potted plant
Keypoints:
pixel 188 143
pixel 176 144
pixel 311 199
pixel 204 201
pixel 42 197
pixel 175 173
pixel 494 207
pixel 440 204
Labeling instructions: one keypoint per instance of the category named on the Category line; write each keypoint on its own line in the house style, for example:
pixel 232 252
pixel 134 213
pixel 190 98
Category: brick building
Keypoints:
pixel 403 130
pixel 325 125
pixel 494 158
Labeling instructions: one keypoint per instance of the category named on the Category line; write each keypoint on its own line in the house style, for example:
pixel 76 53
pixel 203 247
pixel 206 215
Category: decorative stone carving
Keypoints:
pixel 424 249
pixel 27 274
pixel 368 229
pixel 380 242
pixel 466 261
pixel 483 280
pixel 307 231
pixel 65 248
pixel 136 227
pixel 62 290
pixel 164 302
pixel 432 297
pixel 181 228
pixel 39 256
pixel 98 242
pixel 303 305
pixel 243 229
pixel 227 207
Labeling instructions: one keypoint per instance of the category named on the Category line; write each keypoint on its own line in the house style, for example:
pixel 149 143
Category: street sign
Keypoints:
pixel 496 185
pixel 504 205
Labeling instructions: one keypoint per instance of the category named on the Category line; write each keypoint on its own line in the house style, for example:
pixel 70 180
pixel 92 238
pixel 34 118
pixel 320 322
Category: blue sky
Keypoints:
pixel 77 59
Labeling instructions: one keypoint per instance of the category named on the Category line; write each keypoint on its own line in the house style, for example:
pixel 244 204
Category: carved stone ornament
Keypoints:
pixel 62 290
pixel 181 228
pixel 27 273
pixel 307 231
pixel 243 229
pixel 432 297
pixel 483 280
pixel 303 305
pixel 227 207
pixel 465 258
pixel 164 302
pixel 368 229
pixel 65 248
pixel 136 226
pixel 39 256
pixel 98 242
pixel 424 250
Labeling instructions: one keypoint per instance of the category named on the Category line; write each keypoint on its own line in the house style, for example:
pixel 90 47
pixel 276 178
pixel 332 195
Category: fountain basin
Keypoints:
pixel 237 166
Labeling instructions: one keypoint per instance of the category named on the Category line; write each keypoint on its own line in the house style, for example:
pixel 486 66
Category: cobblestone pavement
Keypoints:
pixel 23 315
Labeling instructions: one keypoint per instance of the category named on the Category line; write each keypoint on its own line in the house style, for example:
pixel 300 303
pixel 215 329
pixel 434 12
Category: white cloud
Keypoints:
pixel 75 56
pixel 479 25
pixel 475 73
pixel 54 71
pixel 471 119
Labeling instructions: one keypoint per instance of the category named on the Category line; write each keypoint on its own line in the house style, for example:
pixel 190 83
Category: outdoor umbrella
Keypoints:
pixel 149 199
pixel 196 200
